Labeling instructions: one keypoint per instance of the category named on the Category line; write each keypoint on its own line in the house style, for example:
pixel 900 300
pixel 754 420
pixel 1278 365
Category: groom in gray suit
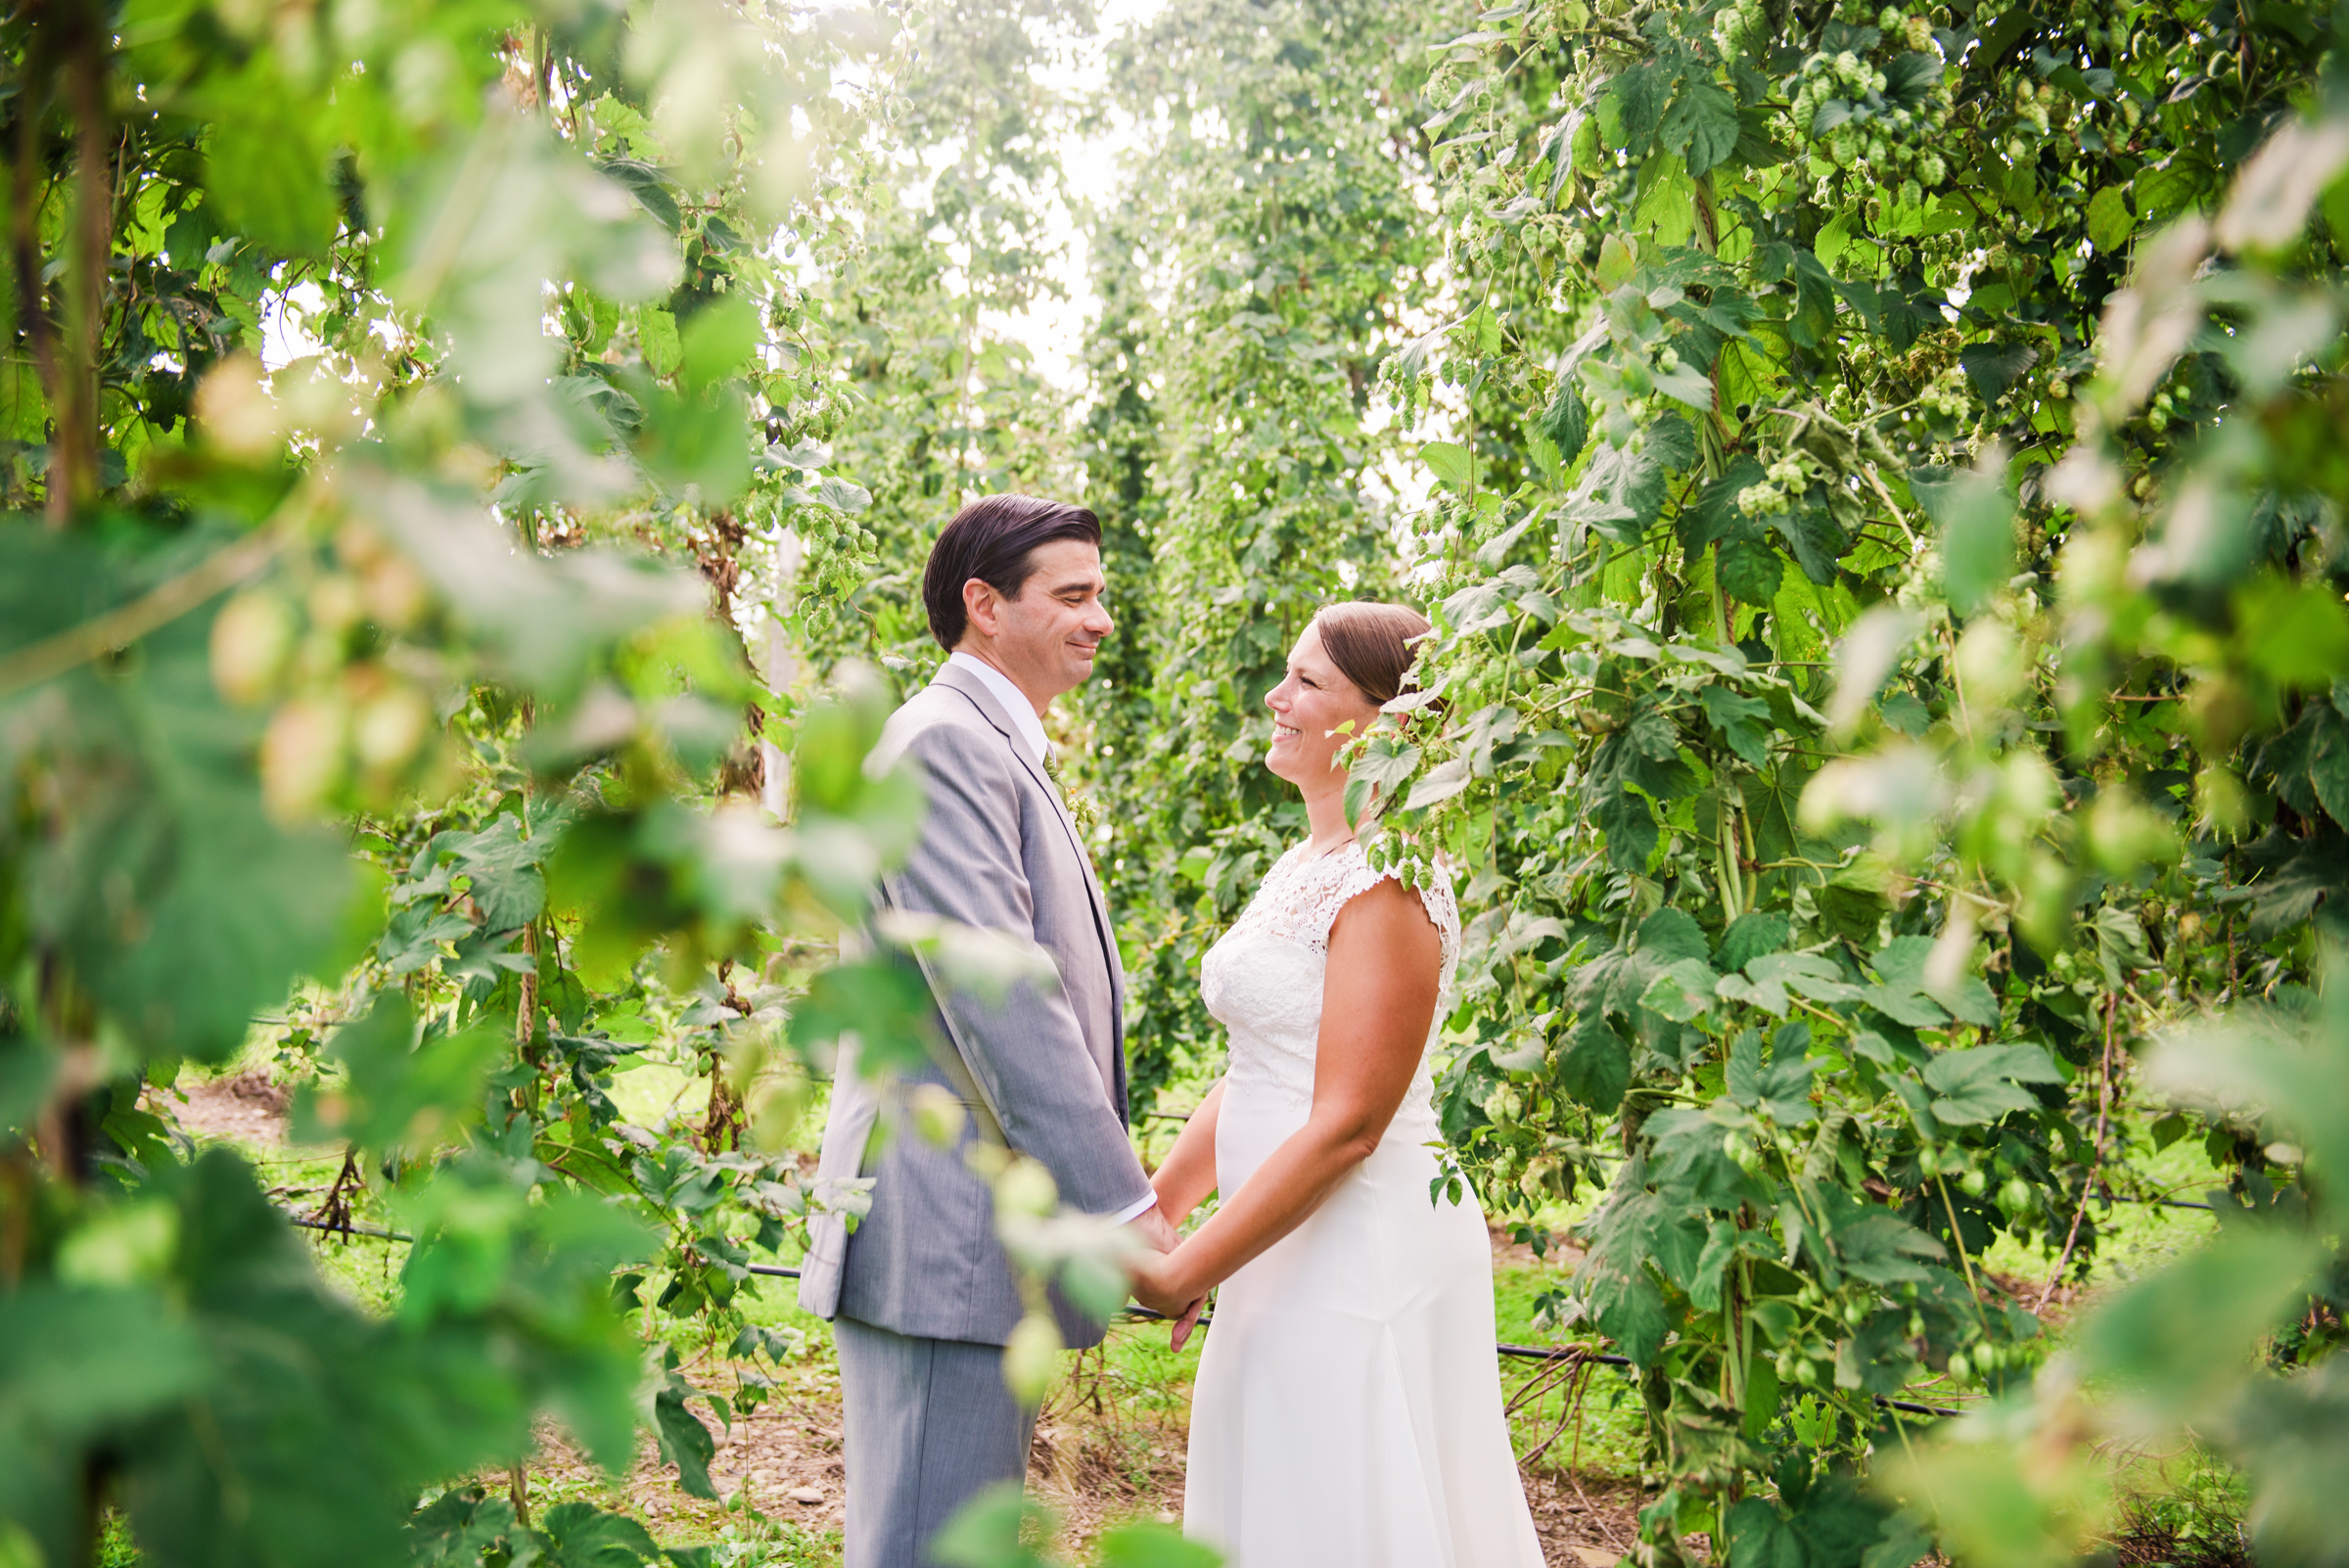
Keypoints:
pixel 922 1294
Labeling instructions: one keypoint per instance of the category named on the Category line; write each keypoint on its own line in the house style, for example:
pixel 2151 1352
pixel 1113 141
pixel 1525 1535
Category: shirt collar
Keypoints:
pixel 1015 703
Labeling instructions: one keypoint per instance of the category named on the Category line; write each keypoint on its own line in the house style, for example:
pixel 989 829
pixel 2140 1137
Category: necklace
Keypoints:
pixel 1323 855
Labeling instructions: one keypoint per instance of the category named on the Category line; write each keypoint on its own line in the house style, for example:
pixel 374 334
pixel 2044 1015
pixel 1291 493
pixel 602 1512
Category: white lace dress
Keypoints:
pixel 1348 1409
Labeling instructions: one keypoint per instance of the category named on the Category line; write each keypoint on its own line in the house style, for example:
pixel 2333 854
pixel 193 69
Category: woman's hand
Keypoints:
pixel 1185 1323
pixel 1157 1285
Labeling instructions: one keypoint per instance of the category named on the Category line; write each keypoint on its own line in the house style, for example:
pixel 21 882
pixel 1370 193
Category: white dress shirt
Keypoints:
pixel 1015 703
pixel 1030 732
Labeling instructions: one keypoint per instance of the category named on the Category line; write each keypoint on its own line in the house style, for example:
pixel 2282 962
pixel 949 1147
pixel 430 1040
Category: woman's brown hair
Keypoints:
pixel 1372 644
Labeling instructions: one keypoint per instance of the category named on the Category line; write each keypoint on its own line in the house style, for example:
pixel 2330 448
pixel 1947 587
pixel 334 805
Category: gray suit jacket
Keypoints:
pixel 999 849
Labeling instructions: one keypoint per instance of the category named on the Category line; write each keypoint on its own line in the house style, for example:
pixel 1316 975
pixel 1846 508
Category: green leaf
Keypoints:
pixel 987 1531
pixel 685 1441
pixel 657 336
pixel 1751 936
pixel 1813 318
pixel 1903 1544
pixel 1629 1308
pixel 1814 537
pixel 1653 733
pixel 1743 722
pixel 1670 935
pixel 403 1088
pixel 1702 122
pixel 1566 423
pixel 1809 973
pixel 1667 207
pixel 719 340
pixel 697 442
pixel 1594 1063
pixel 2109 220
pixel 1638 94
pixel 265 170
pixel 579 1534
pixel 1630 826
pixel 412 941
pixel 1749 570
pixel 1976 1087
pixel 2175 1345
pixel 1994 367
pixel 1618 256
pixel 1451 465
pixel 1715 514
pixel 652 187
pixel 1683 990
pixel 2291 1071
pixel 1852 909
pixel 2328 766
pixel 884 1005
pixel 1912 77
pixel 1885 1249
pixel 1440 783
pixel 1148 1545
pixel 2296 633
pixel 1760 1538
pixel 508 887
pixel 1835 238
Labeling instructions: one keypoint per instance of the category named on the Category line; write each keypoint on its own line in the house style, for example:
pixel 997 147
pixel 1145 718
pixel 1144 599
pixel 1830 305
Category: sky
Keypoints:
pixel 1054 329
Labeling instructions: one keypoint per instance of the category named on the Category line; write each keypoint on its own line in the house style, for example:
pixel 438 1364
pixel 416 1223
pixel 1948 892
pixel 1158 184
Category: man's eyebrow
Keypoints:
pixel 1080 585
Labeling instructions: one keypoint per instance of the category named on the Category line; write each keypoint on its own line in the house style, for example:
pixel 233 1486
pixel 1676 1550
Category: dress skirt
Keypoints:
pixel 1347 1409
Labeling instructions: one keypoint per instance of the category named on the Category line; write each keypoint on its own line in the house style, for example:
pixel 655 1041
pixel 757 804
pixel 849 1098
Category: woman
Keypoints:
pixel 1348 1409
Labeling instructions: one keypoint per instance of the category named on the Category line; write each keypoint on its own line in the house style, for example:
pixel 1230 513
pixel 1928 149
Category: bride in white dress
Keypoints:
pixel 1347 1409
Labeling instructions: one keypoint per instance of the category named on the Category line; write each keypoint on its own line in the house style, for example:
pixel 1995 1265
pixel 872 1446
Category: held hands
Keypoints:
pixel 1151 1274
pixel 1156 1288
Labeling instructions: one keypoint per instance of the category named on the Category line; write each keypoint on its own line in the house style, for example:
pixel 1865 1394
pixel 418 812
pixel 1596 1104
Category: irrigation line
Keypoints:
pixel 1143 1315
pixel 333 1228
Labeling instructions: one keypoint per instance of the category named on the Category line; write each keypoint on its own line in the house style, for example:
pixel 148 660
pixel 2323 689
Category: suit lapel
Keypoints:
pixel 992 712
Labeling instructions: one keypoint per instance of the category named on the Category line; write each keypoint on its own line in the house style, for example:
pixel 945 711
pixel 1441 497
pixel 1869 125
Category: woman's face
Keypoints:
pixel 1309 707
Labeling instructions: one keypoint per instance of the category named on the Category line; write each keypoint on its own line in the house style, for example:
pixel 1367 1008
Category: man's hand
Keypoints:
pixel 1151 1226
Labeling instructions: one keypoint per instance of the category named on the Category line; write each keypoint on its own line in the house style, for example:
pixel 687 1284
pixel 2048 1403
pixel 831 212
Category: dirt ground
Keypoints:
pixel 1096 1462
pixel 1090 1468
pixel 247 1107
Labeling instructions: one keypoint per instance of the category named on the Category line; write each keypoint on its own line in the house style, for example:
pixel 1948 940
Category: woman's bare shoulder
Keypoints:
pixel 1387 918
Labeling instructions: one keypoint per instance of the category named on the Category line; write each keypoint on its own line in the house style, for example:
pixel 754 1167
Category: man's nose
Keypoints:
pixel 1098 623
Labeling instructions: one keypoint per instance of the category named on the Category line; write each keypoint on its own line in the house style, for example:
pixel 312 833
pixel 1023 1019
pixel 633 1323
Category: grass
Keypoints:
pixel 1113 1436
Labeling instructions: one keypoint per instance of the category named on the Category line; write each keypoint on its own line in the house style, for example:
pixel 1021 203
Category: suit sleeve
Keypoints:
pixel 1025 1047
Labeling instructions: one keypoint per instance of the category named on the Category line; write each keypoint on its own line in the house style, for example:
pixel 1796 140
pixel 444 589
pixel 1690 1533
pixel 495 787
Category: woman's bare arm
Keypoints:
pixel 1378 1001
pixel 1187 1175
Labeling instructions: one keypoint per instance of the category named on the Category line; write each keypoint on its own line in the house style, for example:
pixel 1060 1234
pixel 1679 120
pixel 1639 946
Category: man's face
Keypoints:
pixel 1045 639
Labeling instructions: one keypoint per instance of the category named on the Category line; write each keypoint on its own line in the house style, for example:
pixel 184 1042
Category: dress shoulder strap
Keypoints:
pixel 1347 874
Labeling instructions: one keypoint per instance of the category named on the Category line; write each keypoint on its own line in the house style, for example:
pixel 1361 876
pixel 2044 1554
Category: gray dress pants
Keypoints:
pixel 925 1424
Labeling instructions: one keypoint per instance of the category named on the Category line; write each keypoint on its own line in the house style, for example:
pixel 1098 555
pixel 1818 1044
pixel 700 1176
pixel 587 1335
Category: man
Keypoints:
pixel 922 1295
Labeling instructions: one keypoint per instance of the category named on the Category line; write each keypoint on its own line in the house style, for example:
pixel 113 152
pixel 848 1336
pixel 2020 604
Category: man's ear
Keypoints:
pixel 981 606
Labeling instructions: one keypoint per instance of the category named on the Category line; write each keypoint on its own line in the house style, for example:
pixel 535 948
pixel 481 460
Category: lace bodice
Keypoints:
pixel 1263 980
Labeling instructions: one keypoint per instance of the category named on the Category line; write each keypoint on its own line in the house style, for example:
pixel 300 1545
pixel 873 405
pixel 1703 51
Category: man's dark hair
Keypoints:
pixel 990 540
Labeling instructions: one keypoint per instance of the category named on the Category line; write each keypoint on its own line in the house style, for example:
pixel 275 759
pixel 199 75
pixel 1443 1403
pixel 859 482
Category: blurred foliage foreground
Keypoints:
pixel 1888 569
pixel 332 695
